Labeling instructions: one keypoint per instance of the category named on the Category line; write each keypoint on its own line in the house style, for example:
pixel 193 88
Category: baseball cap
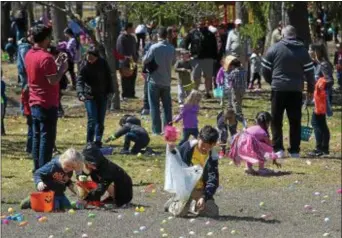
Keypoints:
pixel 237 22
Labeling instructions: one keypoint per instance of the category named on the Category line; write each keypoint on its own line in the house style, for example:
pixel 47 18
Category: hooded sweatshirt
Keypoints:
pixel 189 115
pixel 107 172
pixel 286 65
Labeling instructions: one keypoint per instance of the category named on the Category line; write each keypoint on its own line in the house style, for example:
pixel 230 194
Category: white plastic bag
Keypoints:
pixel 180 179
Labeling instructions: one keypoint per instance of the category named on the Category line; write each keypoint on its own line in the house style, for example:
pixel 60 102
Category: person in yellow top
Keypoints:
pixel 199 152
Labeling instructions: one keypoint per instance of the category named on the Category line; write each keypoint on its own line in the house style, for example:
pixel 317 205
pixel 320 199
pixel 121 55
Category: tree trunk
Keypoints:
pixel 59 22
pixel 298 17
pixel 79 9
pixel 30 16
pixel 5 22
pixel 241 12
pixel 274 17
pixel 110 37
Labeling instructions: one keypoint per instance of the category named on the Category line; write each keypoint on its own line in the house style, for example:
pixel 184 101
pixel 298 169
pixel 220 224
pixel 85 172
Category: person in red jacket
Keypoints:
pixel 319 120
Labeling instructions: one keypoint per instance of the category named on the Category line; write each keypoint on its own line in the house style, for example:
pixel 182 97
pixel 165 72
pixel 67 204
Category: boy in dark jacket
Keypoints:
pixel 11 49
pixel 193 153
pixel 131 128
pixel 108 176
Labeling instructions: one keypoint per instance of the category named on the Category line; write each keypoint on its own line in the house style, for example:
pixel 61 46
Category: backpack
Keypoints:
pixel 196 42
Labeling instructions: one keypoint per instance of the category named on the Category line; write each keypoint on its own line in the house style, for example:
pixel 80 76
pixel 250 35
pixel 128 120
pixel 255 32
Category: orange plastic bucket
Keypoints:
pixel 42 201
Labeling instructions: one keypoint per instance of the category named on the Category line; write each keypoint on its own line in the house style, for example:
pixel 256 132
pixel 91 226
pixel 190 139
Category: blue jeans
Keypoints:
pixel 146 103
pixel 44 126
pixel 339 78
pixel 187 132
pixel 29 134
pixel 61 203
pixel 139 143
pixel 96 111
pixel 322 133
pixel 155 94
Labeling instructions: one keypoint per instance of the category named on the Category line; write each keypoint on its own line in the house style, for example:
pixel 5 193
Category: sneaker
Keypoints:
pixel 26 203
pixel 124 152
pixel 294 155
pixel 315 153
pixel 265 172
pixel 145 112
pixel 280 154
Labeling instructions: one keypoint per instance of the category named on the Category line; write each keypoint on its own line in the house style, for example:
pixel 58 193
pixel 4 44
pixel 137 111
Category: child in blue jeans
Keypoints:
pixel 56 176
pixel 189 114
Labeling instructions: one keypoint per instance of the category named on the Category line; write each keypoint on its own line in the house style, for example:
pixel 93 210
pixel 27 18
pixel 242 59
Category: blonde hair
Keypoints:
pixel 73 156
pixel 227 61
pixel 194 97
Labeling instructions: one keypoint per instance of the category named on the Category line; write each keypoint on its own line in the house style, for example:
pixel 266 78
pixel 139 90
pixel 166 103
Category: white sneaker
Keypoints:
pixel 280 154
pixel 294 155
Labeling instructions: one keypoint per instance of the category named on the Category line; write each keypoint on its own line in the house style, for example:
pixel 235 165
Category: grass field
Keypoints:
pixel 312 174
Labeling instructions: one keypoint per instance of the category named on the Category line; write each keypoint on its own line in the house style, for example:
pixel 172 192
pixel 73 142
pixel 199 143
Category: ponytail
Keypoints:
pixel 262 119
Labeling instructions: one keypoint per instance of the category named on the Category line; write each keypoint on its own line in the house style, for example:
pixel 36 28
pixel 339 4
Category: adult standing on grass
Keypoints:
pixel 126 46
pixel 43 75
pixel 285 66
pixel 159 81
pixel 203 48
pixel 94 84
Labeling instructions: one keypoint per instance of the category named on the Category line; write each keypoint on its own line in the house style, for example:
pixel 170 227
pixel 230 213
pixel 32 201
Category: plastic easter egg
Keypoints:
pixel 192 220
pixel 141 209
pixel 67 229
pixel 207 223
pixel 71 211
pixel 51 236
pixel 210 233
pixel 327 219
pixel 308 207
pixel 170 218
pixel 137 209
pixel 261 204
pixel 23 223
pixel 163 221
pixel 224 228
pixel 5 221
pixel 164 235
pixel 42 219
pixel 91 215
pixel 84 236
pixel 326 234
pixel 119 216
pixel 136 214
pixel 233 232
pixel 192 233
pixel 139 155
pixel 135 232
pixel 317 193
pixel 10 210
pixel 162 229
pixel 89 223
pixel 142 228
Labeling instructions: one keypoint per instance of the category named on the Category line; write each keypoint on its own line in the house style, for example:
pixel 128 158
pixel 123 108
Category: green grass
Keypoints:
pixel 16 165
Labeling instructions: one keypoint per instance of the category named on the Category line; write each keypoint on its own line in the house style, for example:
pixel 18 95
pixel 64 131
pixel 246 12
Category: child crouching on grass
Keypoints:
pixel 56 176
pixel 226 121
pixel 253 145
pixel 199 152
pixel 113 183
pixel 133 131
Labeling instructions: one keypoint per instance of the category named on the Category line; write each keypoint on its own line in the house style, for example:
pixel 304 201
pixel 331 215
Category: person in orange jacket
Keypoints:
pixel 319 121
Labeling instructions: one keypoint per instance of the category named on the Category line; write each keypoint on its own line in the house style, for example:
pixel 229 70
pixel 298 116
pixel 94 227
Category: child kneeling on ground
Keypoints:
pixel 56 176
pixel 109 178
pixel 133 131
pixel 199 152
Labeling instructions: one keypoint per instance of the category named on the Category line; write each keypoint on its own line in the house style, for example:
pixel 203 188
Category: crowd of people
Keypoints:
pixel 227 63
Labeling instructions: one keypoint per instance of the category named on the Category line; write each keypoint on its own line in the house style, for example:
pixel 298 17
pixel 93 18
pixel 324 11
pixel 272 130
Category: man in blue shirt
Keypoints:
pixel 163 55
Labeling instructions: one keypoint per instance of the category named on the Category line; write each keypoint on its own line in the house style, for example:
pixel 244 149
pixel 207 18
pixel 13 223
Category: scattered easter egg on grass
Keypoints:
pixel 139 155
pixel 170 218
pixel 84 236
pixel 5 221
pixel 42 219
pixel 224 228
pixel 135 232
pixel 141 209
pixel 327 219
pixel 191 233
pixel 10 210
pixel 339 191
pixel 261 204
pixel 142 228
pixel 163 221
pixel 308 207
pixel 308 162
pixel 207 222
pixel 136 214
pixel 67 229
pixel 71 211
pixel 120 216
pixel 317 193
pixel 51 236
pixel 325 196
pixel 233 232
pixel 162 229
pixel 23 223
pixel 323 201
pixel 91 215
pixel 326 234
pixel 89 223
pixel 210 233
pixel 192 220
pixel 164 235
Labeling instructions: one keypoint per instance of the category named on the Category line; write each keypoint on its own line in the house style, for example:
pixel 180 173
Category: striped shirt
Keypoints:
pixel 236 79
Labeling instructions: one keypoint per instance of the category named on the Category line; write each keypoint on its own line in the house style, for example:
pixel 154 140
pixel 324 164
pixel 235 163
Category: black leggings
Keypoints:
pixel 256 76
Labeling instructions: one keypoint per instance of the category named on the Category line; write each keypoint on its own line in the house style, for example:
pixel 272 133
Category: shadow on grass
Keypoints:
pixel 246 218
